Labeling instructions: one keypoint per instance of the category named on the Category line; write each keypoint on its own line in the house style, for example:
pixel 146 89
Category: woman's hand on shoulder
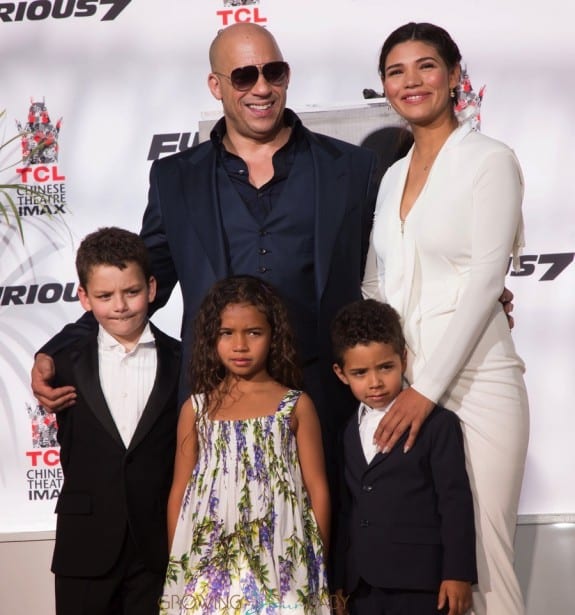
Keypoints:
pixel 409 411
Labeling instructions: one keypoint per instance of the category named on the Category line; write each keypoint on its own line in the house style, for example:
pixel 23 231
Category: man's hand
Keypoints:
pixel 408 411
pixel 506 300
pixel 51 399
pixel 457 594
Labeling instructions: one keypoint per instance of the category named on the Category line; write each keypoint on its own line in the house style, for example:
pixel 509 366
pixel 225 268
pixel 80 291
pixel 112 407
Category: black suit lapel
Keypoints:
pixel 88 384
pixel 377 459
pixel 167 375
pixel 398 448
pixel 355 449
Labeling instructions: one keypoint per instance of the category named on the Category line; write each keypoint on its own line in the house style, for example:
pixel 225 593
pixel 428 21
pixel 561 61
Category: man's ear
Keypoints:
pixel 84 300
pixel 215 86
pixel 339 373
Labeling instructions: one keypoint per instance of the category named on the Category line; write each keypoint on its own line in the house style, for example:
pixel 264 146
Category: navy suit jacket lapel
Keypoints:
pixel 88 383
pixel 199 189
pixel 332 188
pixel 198 183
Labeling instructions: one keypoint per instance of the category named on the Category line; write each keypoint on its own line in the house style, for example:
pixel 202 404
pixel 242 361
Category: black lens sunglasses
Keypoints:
pixel 245 77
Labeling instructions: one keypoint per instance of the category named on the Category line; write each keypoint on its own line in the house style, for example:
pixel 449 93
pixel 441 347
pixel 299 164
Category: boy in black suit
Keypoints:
pixel 407 541
pixel 117 441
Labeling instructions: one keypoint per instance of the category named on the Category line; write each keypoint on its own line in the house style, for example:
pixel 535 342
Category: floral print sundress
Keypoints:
pixel 246 541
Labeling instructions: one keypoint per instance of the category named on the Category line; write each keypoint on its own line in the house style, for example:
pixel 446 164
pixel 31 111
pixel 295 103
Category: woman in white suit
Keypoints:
pixel 448 217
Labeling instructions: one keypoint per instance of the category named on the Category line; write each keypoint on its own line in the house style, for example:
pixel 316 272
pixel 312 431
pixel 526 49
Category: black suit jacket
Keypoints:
pixel 408 517
pixel 109 489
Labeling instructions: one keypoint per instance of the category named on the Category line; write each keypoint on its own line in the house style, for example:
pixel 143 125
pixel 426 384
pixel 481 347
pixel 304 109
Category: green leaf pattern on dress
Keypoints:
pixel 247 541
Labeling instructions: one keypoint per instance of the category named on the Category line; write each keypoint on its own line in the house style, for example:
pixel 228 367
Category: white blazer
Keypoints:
pixel 443 269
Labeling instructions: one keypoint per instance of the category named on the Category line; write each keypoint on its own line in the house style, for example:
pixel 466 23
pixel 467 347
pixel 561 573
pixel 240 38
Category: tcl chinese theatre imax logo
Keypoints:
pixel 44 475
pixel 42 189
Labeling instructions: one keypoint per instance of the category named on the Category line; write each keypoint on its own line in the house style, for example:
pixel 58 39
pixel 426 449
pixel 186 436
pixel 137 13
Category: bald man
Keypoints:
pixel 264 196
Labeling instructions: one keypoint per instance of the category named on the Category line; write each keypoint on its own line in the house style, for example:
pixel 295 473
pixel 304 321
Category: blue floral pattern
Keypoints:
pixel 247 541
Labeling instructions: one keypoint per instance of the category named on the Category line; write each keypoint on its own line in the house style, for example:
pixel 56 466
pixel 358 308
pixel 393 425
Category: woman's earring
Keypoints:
pixel 452 92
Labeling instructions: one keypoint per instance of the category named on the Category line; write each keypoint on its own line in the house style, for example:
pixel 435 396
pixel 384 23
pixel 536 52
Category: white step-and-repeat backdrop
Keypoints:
pixel 114 84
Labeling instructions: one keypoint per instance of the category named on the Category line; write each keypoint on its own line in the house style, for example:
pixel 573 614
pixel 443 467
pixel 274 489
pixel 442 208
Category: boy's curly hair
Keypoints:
pixel 363 322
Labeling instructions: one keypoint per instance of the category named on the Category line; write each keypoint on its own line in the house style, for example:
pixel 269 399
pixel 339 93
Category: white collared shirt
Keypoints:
pixel 368 419
pixel 127 378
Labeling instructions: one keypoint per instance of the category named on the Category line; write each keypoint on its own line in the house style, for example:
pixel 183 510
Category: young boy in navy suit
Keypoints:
pixel 406 543
pixel 117 442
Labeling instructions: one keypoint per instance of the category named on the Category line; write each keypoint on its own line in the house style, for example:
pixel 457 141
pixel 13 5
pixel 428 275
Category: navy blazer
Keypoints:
pixel 182 226
pixel 109 489
pixel 408 517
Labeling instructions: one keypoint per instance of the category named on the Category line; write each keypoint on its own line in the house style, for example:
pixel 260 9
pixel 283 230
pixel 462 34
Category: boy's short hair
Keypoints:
pixel 111 246
pixel 363 322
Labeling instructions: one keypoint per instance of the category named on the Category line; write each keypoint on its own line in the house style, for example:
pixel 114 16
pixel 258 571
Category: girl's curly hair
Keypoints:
pixel 207 374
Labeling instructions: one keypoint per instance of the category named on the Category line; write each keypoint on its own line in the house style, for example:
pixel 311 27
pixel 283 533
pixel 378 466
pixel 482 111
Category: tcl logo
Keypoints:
pixel 241 15
pixel 59 9
pixel 49 457
pixel 549 266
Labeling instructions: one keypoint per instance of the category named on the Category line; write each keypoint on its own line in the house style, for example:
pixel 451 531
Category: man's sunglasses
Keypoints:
pixel 244 78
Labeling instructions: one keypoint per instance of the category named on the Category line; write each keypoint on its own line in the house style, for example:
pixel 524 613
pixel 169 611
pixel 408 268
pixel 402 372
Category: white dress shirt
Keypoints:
pixel 127 378
pixel 368 419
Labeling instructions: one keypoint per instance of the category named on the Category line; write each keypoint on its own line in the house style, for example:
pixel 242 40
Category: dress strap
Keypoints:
pixel 288 402
pixel 198 400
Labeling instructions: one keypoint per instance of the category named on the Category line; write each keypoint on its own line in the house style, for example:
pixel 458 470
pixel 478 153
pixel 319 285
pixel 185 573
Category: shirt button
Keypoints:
pixel 263 233
pixel 263 269
pixel 263 251
pixel 364 523
pixel 367 488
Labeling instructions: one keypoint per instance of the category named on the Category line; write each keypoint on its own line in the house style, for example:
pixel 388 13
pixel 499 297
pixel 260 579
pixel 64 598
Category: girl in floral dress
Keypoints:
pixel 248 512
